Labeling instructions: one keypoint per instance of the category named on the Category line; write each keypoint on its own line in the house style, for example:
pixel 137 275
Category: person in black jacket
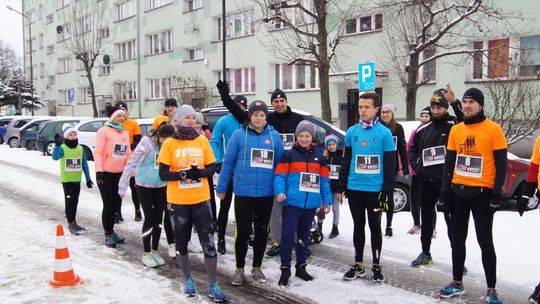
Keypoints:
pixel 333 161
pixel 387 117
pixel 427 155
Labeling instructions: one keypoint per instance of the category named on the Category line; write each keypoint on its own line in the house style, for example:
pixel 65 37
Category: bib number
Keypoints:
pixel 367 164
pixel 288 140
pixel 469 166
pixel 310 182
pixel 262 158
pixel 73 165
pixel 433 156
pixel 334 171
pixel 119 151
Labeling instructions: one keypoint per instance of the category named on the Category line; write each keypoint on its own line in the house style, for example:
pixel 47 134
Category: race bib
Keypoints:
pixel 310 182
pixel 395 142
pixel 119 151
pixel 288 140
pixel 262 158
pixel 470 166
pixel 367 164
pixel 334 171
pixel 433 156
pixel 73 165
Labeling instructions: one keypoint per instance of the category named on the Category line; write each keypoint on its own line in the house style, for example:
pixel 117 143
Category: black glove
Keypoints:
pixel 223 88
pixel 495 202
pixel 443 202
pixel 58 139
pixel 193 173
pixel 218 168
pixel 527 192
pixel 89 184
pixel 522 204
pixel 100 178
pixel 385 196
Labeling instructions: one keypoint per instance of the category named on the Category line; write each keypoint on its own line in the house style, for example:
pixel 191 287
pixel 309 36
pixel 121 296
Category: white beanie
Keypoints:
pixel 390 107
pixel 68 130
pixel 183 111
pixel 116 113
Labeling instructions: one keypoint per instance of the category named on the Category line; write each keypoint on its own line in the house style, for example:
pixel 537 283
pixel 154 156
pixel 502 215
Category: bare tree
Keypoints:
pixel 422 31
pixel 191 90
pixel 83 22
pixel 9 62
pixel 305 35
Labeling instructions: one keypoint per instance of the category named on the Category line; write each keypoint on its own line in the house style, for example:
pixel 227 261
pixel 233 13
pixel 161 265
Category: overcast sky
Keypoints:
pixel 11 25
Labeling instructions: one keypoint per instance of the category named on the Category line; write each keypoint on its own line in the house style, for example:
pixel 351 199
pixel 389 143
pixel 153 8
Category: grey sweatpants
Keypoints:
pixel 275 222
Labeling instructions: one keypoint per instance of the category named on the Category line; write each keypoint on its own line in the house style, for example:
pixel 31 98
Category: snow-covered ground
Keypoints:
pixel 27 261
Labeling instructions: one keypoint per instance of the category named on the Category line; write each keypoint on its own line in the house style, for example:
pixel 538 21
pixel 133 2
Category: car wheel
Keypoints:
pixel 13 142
pixel 401 198
pixel 49 148
pixel 88 153
pixel 533 203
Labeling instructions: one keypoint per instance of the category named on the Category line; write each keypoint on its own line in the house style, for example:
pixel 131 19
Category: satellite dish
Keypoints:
pixel 106 59
pixel 59 29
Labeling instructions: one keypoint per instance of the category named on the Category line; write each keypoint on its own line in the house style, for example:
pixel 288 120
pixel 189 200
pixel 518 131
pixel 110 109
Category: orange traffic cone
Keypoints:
pixel 63 272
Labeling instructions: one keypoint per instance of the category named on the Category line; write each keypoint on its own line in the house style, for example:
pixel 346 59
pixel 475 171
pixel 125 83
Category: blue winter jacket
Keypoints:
pixel 302 175
pixel 221 134
pixel 250 159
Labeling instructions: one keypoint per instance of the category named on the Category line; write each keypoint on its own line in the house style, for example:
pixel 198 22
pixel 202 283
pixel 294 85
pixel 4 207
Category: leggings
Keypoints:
pixel 212 198
pixel 71 199
pixel 223 217
pixel 248 210
pixel 134 194
pixel 111 199
pixel 359 203
pixel 428 199
pixel 415 199
pixel 153 201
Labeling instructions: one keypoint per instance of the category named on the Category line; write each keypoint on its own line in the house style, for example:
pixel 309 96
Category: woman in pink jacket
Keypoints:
pixel 110 156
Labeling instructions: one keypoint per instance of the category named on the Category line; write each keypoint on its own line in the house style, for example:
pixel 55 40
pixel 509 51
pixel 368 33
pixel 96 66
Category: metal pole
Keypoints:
pixel 224 39
pixel 31 66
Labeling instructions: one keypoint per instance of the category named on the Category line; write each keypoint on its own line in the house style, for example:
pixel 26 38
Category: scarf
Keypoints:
pixel 185 133
pixel 475 119
pixel 115 126
pixel 71 143
pixel 369 124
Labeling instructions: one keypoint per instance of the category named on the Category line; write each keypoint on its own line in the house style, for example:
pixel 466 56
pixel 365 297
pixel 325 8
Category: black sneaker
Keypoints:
pixel 303 274
pixel 285 275
pixel 110 241
pixel 274 250
pixel 356 271
pixel 118 239
pixel 388 232
pixel 118 218
pixel 73 229
pixel 138 216
pixel 221 246
pixel 535 297
pixel 378 277
pixel 422 259
pixel 335 232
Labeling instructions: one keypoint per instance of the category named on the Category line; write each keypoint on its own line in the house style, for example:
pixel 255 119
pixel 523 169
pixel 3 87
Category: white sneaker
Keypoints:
pixel 159 260
pixel 148 260
pixel 193 248
pixel 172 250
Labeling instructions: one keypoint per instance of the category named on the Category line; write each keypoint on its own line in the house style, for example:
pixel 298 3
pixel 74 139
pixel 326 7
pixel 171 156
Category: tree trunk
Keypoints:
pixel 323 61
pixel 412 86
pixel 324 82
pixel 92 92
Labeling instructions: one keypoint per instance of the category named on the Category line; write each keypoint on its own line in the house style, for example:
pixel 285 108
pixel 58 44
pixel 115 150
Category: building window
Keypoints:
pixel 50 49
pixel 49 19
pixel 478 58
pixel 62 3
pixel 51 80
pixel 83 93
pixel 194 54
pixel 104 32
pixel 63 97
pixel 238 24
pixel 125 9
pixel 125 90
pixel 104 70
pixel 429 69
pixel 32 15
pixel 296 77
pixel 241 80
pixel 40 11
pixel 160 88
pixel 153 4
pixel 159 42
pixel 529 63
pixel 64 34
pixel 41 41
pixel 493 63
pixel 191 5
pixel 297 16
pixel 64 65
pixel 42 70
pixel 34 71
pixel 363 24
pixel 126 50
pixel 84 25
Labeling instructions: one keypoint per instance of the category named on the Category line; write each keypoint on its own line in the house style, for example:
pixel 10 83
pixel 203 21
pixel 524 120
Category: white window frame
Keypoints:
pixel 246 21
pixel 82 95
pixel 160 42
pixel 153 4
pixel 160 88
pixel 295 15
pixel 104 32
pixel 126 50
pixel 192 5
pixel 513 62
pixel 51 80
pixel 62 3
pixel 63 97
pixel 125 9
pixel 84 25
pixel 520 58
pixel 41 40
pixel 424 67
pixel 49 19
pixel 64 65
pixel 104 69
pixel 50 49
pixel 194 54
pixel 42 70
pixel 308 71
pixel 247 82
pixel 359 30
pixel 127 90
pixel 65 34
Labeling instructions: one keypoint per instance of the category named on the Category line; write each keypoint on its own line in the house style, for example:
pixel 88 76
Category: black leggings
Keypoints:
pixel 223 217
pixel 475 200
pixel 359 203
pixel 415 199
pixel 71 199
pixel 134 194
pixel 167 225
pixel 153 201
pixel 428 199
pixel 212 199
pixel 111 199
pixel 248 210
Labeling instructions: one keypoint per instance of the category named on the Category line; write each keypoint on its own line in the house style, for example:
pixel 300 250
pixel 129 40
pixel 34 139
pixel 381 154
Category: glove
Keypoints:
pixel 495 202
pixel 100 178
pixel 223 88
pixel 385 197
pixel 218 168
pixel 89 184
pixel 193 173
pixel 522 204
pixel 58 139
pixel 443 202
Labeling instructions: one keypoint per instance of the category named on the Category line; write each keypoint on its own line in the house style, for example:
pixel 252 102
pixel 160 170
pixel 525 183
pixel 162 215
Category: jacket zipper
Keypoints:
pixel 307 170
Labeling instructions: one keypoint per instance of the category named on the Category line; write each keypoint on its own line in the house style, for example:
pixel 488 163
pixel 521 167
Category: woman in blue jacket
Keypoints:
pixel 301 184
pixel 250 159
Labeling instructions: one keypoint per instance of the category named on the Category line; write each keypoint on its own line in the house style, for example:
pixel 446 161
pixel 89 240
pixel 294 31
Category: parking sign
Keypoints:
pixel 71 95
pixel 366 76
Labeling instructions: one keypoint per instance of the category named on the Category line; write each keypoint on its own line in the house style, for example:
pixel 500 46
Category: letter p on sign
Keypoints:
pixel 366 76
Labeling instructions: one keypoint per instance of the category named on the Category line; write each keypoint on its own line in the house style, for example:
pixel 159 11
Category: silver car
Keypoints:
pixel 12 131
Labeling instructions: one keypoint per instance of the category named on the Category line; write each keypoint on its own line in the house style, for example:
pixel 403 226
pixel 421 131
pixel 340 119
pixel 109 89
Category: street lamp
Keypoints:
pixel 31 66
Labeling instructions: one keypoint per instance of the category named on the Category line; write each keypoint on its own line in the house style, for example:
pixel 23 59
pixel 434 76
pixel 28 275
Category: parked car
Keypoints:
pixel 3 126
pixel 28 133
pixel 45 138
pixel 12 130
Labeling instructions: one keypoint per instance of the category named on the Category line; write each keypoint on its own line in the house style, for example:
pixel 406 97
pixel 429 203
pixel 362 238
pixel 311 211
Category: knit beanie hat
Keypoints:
pixel 474 94
pixel 171 102
pixel 121 104
pixel 183 111
pixel 438 99
pixel 278 94
pixel 390 107
pixel 330 138
pixel 241 100
pixel 200 118
pixel 257 105
pixel 426 110
pixel 116 112
pixel 307 126
pixel 68 130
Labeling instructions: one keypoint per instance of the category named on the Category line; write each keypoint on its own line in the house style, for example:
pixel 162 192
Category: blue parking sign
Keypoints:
pixel 71 95
pixel 366 76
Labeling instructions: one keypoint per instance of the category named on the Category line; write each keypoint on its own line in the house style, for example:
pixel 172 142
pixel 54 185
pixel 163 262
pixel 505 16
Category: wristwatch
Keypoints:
pixel 183 174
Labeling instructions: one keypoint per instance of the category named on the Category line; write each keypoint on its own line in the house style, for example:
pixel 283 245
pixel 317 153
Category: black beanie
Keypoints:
pixel 257 105
pixel 242 100
pixel 278 94
pixel 438 98
pixel 171 102
pixel 474 94
pixel 120 104
pixel 426 110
